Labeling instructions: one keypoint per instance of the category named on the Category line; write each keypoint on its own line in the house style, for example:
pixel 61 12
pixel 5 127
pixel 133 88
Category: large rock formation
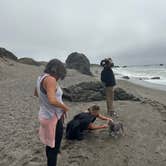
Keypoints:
pixel 93 91
pixel 7 54
pixel 29 61
pixel 79 62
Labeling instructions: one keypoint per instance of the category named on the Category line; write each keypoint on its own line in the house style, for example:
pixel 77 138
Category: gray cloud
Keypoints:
pixel 47 29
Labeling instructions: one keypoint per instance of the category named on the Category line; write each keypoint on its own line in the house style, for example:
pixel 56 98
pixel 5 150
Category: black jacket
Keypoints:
pixel 107 77
pixel 78 124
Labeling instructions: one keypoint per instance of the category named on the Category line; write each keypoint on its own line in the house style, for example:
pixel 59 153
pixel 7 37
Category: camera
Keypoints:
pixel 107 63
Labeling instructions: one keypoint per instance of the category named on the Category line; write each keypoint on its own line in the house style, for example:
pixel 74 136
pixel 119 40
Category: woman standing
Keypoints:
pixel 52 109
pixel 108 78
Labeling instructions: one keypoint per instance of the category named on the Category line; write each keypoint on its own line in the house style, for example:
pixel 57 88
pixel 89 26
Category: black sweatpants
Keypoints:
pixel 52 153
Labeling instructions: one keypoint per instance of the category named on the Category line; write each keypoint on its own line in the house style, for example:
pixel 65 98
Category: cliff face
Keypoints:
pixel 7 54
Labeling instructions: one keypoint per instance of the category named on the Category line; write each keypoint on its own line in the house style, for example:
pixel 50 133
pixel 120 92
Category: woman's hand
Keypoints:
pixel 64 116
pixel 94 127
pixel 109 119
pixel 104 126
pixel 102 117
pixel 65 108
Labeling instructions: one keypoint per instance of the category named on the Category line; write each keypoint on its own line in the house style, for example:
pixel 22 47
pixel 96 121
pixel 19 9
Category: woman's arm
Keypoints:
pixel 102 117
pixel 50 85
pixel 94 127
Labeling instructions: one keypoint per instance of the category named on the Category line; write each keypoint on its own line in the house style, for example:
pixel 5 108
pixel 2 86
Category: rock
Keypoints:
pixel 126 77
pixel 85 91
pixel 79 62
pixel 7 54
pixel 116 66
pixel 29 61
pixel 121 94
pixel 155 78
pixel 93 91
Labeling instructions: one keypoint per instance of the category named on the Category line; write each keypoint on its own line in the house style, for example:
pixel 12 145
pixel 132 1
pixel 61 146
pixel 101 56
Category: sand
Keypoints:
pixel 144 143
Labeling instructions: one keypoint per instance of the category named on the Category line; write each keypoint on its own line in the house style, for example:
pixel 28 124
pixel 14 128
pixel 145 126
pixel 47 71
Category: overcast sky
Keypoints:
pixel 129 31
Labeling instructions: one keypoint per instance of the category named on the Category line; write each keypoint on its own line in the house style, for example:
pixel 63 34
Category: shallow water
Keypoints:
pixel 145 73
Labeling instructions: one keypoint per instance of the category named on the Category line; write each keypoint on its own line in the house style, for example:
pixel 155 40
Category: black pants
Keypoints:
pixel 52 153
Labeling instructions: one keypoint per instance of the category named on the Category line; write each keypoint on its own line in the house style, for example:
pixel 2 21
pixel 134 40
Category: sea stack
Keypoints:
pixel 79 62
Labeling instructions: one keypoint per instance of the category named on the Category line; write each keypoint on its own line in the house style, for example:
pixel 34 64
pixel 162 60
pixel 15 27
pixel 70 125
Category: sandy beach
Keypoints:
pixel 144 143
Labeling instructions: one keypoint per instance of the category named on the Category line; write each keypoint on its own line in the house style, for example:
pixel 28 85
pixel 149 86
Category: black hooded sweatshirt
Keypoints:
pixel 107 77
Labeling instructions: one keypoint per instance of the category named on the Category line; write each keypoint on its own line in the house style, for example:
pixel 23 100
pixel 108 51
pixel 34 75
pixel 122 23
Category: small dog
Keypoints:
pixel 115 129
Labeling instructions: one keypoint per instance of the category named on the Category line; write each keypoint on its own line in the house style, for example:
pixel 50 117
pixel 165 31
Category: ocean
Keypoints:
pixel 143 75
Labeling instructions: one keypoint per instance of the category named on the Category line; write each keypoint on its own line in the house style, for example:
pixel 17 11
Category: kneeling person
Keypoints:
pixel 84 121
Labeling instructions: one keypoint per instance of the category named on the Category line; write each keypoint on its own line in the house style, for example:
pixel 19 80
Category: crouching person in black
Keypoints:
pixel 84 121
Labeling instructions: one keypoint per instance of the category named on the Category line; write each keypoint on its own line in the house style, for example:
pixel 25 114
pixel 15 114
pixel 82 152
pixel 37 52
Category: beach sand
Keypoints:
pixel 144 143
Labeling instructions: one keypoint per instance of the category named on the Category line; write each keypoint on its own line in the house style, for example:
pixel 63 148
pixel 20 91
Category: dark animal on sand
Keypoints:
pixel 115 129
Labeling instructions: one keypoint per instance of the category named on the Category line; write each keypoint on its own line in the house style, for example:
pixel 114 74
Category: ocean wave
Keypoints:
pixel 152 74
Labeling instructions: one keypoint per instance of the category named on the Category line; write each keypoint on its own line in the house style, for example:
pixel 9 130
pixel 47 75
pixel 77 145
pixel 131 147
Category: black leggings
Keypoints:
pixel 52 153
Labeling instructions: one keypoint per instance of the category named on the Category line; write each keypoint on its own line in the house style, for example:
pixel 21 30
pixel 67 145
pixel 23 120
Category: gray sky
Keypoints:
pixel 98 28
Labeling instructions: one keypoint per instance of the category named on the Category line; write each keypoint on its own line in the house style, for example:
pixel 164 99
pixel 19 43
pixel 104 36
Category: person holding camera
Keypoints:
pixel 108 78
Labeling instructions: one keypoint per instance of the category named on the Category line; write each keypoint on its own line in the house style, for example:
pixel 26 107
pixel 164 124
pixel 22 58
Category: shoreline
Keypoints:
pixel 146 84
pixel 141 90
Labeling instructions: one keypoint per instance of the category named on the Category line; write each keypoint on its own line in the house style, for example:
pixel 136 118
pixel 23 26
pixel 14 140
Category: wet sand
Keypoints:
pixel 144 143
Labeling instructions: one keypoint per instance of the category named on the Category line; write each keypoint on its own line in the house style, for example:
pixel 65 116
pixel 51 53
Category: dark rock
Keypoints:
pixel 7 54
pixel 116 66
pixel 93 91
pixel 121 94
pixel 79 62
pixel 29 61
pixel 126 77
pixel 85 91
pixel 155 78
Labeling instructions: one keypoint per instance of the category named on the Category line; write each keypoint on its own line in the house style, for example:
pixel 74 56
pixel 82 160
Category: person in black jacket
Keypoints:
pixel 84 121
pixel 108 79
